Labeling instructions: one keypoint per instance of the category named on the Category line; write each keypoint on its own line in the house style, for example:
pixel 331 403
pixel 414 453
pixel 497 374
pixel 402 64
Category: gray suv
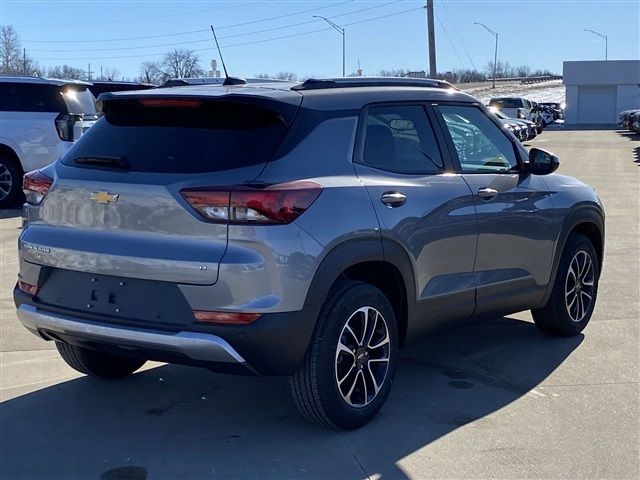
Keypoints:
pixel 307 230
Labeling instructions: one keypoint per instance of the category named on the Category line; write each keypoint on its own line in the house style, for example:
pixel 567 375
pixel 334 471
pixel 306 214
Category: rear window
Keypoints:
pixel 211 137
pixel 506 103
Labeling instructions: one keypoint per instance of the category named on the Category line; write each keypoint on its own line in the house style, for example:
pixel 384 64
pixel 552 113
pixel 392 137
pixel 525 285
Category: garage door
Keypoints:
pixel 597 104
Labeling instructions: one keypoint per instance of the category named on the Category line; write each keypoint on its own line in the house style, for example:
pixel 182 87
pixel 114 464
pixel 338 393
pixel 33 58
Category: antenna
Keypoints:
pixel 227 79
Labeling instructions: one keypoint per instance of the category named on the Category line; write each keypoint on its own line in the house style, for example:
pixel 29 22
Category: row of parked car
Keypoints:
pixel 630 120
pixel 524 118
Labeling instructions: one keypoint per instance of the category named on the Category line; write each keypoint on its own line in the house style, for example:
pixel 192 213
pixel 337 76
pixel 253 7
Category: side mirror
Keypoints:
pixel 542 162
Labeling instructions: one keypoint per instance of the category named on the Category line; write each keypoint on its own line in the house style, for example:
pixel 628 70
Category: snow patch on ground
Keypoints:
pixel 551 91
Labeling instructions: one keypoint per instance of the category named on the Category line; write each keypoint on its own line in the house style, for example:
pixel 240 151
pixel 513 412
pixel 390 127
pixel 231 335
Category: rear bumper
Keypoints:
pixel 275 344
pixel 197 346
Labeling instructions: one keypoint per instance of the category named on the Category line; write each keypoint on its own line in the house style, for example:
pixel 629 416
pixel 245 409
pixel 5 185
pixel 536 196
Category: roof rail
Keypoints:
pixel 353 82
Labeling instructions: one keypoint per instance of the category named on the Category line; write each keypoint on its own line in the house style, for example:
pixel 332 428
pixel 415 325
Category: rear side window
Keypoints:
pixel 210 137
pixel 400 139
pixel 27 97
pixel 506 103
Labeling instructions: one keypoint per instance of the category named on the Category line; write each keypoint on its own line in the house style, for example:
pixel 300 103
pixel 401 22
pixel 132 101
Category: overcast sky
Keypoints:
pixel 389 34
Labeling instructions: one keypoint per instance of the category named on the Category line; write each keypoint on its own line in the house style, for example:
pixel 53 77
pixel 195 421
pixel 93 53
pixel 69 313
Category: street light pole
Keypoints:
pixel 341 31
pixel 606 42
pixel 495 54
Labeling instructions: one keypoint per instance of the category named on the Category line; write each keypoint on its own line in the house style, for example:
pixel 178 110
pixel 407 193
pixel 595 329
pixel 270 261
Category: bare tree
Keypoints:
pixel 109 74
pixel 181 63
pixel 397 72
pixel 151 72
pixel 10 50
pixel 13 60
pixel 286 76
pixel 67 72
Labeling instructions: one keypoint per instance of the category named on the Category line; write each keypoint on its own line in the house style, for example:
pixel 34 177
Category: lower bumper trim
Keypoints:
pixel 197 346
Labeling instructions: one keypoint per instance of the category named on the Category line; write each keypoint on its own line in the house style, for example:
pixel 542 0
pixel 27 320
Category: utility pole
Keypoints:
pixel 433 72
pixel 89 72
pixel 24 61
pixel 101 76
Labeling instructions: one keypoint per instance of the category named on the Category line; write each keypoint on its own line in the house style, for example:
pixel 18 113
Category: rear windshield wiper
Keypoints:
pixel 105 162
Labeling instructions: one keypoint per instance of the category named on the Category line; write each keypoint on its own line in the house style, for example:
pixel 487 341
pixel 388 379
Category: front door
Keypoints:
pixel 515 241
pixel 423 207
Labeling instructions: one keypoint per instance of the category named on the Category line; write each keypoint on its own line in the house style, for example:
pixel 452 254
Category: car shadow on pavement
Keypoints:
pixel 178 422
pixel 10 213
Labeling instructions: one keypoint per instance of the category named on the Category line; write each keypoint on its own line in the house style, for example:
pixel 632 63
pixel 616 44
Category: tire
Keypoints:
pixel 97 364
pixel 10 182
pixel 571 303
pixel 315 387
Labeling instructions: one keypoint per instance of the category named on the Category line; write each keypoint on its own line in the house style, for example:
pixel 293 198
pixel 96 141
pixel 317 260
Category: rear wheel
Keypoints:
pixel 97 364
pixel 347 372
pixel 10 182
pixel 574 291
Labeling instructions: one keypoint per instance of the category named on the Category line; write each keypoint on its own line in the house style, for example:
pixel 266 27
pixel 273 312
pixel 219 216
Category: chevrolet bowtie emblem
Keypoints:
pixel 104 197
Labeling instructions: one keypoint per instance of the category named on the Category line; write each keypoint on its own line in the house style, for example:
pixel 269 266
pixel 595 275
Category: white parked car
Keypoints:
pixel 514 107
pixel 39 120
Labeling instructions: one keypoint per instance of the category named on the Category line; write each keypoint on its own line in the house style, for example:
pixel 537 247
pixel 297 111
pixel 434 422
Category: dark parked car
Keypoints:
pixel 308 230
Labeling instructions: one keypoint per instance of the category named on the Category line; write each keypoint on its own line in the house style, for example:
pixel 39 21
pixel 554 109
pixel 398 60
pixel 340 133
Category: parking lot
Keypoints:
pixel 494 400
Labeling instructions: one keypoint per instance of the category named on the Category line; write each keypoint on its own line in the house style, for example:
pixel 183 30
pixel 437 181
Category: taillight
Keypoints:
pixel 227 318
pixel 276 204
pixel 35 186
pixel 28 288
pixel 65 126
pixel 170 102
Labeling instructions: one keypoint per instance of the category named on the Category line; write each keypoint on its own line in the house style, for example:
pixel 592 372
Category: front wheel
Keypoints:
pixel 575 289
pixel 347 371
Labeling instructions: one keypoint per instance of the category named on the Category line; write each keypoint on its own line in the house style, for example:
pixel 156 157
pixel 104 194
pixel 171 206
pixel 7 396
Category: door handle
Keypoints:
pixel 393 199
pixel 487 193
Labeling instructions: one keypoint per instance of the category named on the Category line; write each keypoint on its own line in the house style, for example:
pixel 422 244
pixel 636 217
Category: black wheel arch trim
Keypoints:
pixel 580 214
pixel 353 252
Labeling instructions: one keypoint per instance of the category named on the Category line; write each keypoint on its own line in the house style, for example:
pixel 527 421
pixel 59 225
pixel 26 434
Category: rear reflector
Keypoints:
pixel 276 204
pixel 227 318
pixel 28 288
pixel 35 186
pixel 170 102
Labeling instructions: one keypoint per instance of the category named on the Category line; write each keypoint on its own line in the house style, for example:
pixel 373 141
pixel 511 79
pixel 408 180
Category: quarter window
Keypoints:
pixel 400 139
pixel 21 97
pixel 480 144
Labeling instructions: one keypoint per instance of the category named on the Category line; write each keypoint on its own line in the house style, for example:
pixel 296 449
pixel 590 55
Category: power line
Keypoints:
pixel 243 43
pixel 206 40
pixel 453 23
pixel 278 17
pixel 453 47
pixel 125 20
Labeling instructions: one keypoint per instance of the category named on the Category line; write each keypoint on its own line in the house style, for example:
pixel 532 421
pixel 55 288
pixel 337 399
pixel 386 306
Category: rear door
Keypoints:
pixel 115 206
pixel 515 238
pixel 421 206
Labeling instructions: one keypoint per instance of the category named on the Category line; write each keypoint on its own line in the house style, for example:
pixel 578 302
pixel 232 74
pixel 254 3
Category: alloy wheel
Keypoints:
pixel 6 181
pixel 579 286
pixel 362 357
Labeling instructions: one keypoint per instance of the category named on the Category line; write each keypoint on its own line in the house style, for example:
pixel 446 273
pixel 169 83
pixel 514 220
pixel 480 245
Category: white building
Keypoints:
pixel 597 90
